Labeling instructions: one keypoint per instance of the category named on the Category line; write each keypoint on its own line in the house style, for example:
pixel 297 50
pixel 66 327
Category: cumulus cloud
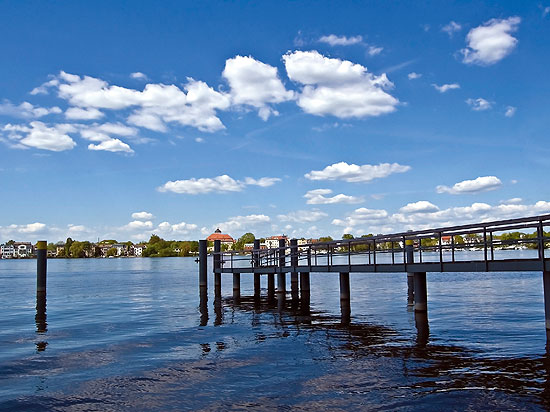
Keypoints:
pixel 335 40
pixel 380 221
pixel 451 28
pixel 512 201
pixel 491 42
pixel 78 113
pixel 241 223
pixel 111 145
pixel 303 216
pixel 338 87
pixel 26 110
pixel 446 87
pixel 156 105
pixel 219 184
pixel 480 184
pixel 422 206
pixel 45 87
pixel 139 225
pixel 142 215
pixel 413 76
pixel 255 84
pixel 181 228
pixel 319 197
pixel 354 173
pixel 38 135
pixel 479 104
pixel 510 111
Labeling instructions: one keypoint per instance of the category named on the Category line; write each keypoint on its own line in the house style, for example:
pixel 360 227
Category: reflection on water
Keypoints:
pixel 138 334
pixel 40 319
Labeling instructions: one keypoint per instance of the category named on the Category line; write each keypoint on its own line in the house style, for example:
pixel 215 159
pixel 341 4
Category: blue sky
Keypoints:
pixel 122 119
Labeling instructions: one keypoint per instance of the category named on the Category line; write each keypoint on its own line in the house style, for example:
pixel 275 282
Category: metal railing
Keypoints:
pixel 474 243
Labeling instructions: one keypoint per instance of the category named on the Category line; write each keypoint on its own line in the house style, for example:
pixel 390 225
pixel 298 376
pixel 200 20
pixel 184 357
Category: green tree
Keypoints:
pixel 77 250
pixel 111 252
pixel 68 244
pixel 244 239
pixel 347 236
pixel 325 239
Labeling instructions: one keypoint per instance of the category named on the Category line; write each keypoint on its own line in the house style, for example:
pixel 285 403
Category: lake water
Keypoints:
pixel 128 334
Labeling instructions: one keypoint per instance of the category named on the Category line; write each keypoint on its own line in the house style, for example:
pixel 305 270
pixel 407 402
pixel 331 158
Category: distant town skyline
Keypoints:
pixel 120 120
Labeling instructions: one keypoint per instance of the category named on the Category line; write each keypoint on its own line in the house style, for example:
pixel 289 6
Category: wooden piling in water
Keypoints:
pixel 236 285
pixel 256 263
pixel 294 263
pixel 420 292
pixel 271 286
pixel 203 264
pixel 409 255
pixel 281 276
pixel 217 276
pixel 41 266
pixel 546 286
pixel 344 287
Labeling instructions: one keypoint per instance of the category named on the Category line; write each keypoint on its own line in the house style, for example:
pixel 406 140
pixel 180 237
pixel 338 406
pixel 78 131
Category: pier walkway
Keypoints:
pixel 516 245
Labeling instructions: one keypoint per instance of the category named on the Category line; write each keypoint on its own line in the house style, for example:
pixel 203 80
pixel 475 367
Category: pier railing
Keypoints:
pixel 473 247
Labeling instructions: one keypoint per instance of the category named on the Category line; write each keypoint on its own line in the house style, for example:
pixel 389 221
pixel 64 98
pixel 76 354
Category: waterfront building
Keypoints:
pixel 273 241
pixel 224 239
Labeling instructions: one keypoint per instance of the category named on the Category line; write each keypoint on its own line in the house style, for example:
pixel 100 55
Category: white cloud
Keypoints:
pixel 446 87
pixel 303 216
pixel 219 184
pixel 44 87
pixel 480 184
pixel 362 221
pixel 78 113
pixel 374 50
pixel 262 182
pixel 255 84
pixel 512 201
pixel 335 40
pixel 40 136
pixel 111 145
pixel 139 225
pixel 157 104
pixel 199 140
pixel 181 228
pixel 510 111
pixel 142 215
pixel 26 110
pixel 319 197
pixel 451 28
pixel 422 206
pixel 243 223
pixel 354 173
pixel 338 87
pixel 138 76
pixel 413 76
pixel 479 104
pixel 491 42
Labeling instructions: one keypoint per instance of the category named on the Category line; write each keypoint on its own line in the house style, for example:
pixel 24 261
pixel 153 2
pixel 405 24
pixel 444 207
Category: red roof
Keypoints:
pixel 220 236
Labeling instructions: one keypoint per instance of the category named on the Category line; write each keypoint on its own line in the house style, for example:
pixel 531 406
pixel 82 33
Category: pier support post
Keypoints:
pixel 281 276
pixel 236 286
pixel 345 305
pixel 203 264
pixel 217 276
pixel 256 263
pixel 294 264
pixel 41 266
pixel 304 286
pixel 409 252
pixel 270 286
pixel 420 292
pixel 546 285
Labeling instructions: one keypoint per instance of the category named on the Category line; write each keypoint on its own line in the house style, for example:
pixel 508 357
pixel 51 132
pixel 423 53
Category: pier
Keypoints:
pixel 466 248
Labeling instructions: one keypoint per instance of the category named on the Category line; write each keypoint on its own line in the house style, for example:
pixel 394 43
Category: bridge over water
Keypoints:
pixel 466 248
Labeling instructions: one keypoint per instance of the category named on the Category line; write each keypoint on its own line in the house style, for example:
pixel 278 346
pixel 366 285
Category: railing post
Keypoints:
pixel 256 264
pixel 281 275
pixel 294 264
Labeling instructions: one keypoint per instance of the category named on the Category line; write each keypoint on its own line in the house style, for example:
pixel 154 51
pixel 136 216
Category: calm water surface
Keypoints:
pixel 129 334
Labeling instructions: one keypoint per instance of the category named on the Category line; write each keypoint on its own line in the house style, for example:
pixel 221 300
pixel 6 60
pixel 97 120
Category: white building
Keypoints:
pixel 138 250
pixel 272 242
pixel 7 251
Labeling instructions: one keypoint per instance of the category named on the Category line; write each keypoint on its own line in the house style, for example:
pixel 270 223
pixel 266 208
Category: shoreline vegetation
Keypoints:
pixel 158 247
